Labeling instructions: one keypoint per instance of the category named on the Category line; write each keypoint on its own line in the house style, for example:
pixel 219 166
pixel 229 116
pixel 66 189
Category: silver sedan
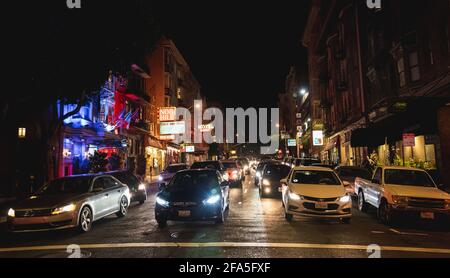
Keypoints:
pixel 71 202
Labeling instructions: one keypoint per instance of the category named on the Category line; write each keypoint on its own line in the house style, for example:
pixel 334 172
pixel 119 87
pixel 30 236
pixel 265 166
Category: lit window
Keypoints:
pixel 414 66
pixel 22 133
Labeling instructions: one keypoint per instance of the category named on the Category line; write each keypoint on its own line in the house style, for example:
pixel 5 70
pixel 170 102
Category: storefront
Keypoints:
pixel 155 153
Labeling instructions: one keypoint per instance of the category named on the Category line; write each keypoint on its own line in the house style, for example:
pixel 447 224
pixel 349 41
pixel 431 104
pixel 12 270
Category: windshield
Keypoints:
pixel 201 181
pixel 408 177
pixel 229 165
pixel 277 172
pixel 65 186
pixel 355 172
pixel 206 165
pixel 175 168
pixel 315 177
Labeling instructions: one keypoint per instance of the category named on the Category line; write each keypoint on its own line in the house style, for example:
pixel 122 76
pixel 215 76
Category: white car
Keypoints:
pixel 316 192
pixel 400 190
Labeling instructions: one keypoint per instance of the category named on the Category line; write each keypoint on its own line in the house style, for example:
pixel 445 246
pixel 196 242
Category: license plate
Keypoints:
pixel 184 213
pixel 321 205
pixel 2 219
pixel 427 215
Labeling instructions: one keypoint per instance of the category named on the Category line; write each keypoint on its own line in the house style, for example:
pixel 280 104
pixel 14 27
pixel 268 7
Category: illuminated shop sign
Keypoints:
pixel 171 128
pixel 189 149
pixel 317 137
pixel 167 114
pixel 292 143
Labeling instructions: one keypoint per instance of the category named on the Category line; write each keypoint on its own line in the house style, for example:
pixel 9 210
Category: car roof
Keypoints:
pixel 177 164
pixel 198 170
pixel 312 168
pixel 402 168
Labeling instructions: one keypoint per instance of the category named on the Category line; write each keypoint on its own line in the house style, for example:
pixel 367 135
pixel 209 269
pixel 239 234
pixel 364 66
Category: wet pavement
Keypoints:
pixel 254 228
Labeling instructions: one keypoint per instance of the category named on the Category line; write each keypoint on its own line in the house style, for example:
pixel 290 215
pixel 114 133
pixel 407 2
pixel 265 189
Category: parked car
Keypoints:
pixel 170 171
pixel 234 171
pixel 350 173
pixel 271 176
pixel 315 192
pixel 193 195
pixel 138 188
pixel 71 202
pixel 396 191
pixel 212 164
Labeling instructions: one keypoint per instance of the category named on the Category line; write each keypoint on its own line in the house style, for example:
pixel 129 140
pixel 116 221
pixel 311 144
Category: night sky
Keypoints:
pixel 240 51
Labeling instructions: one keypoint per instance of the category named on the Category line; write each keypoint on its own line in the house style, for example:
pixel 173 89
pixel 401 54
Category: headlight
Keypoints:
pixel 294 197
pixel 160 178
pixel 345 199
pixel 11 213
pixel 266 182
pixel 213 200
pixel 142 187
pixel 162 202
pixel 64 209
pixel 400 200
pixel 258 174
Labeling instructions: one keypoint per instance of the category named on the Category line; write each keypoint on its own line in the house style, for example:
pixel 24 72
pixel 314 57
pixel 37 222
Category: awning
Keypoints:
pixel 155 143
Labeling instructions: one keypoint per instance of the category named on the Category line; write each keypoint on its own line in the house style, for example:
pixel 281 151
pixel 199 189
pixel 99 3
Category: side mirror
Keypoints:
pixel 346 184
pixel 162 186
pixel 284 181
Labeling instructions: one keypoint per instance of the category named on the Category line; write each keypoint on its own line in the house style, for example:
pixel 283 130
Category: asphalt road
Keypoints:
pixel 254 228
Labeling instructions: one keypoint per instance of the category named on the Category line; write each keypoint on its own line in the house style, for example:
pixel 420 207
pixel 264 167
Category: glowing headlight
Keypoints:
pixel 160 178
pixel 345 199
pixel 213 200
pixel 64 209
pixel 266 182
pixel 162 202
pixel 142 187
pixel 11 213
pixel 294 197
pixel 400 200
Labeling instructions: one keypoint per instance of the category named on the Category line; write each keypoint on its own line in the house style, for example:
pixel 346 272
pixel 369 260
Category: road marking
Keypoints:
pixel 227 245
pixel 407 234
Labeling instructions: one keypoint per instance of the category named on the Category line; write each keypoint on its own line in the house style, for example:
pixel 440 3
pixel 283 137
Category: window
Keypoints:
pixel 168 81
pixel 22 133
pixel 401 72
pixel 167 101
pixel 414 66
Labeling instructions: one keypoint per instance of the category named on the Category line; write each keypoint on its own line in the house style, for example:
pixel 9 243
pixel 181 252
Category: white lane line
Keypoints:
pixel 407 234
pixel 227 245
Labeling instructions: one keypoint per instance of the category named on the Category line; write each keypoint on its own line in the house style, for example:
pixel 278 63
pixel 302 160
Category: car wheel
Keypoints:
pixel 162 222
pixel 346 220
pixel 362 205
pixel 123 207
pixel 384 213
pixel 289 217
pixel 85 222
pixel 221 217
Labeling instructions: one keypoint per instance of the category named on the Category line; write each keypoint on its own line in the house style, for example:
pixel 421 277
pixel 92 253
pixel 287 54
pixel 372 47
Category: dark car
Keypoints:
pixel 305 162
pixel 328 166
pixel 350 173
pixel 193 195
pixel 270 179
pixel 215 165
pixel 138 188
pixel 260 169
pixel 168 173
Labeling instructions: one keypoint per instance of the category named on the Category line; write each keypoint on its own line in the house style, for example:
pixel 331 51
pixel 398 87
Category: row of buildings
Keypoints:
pixel 378 84
pixel 121 120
